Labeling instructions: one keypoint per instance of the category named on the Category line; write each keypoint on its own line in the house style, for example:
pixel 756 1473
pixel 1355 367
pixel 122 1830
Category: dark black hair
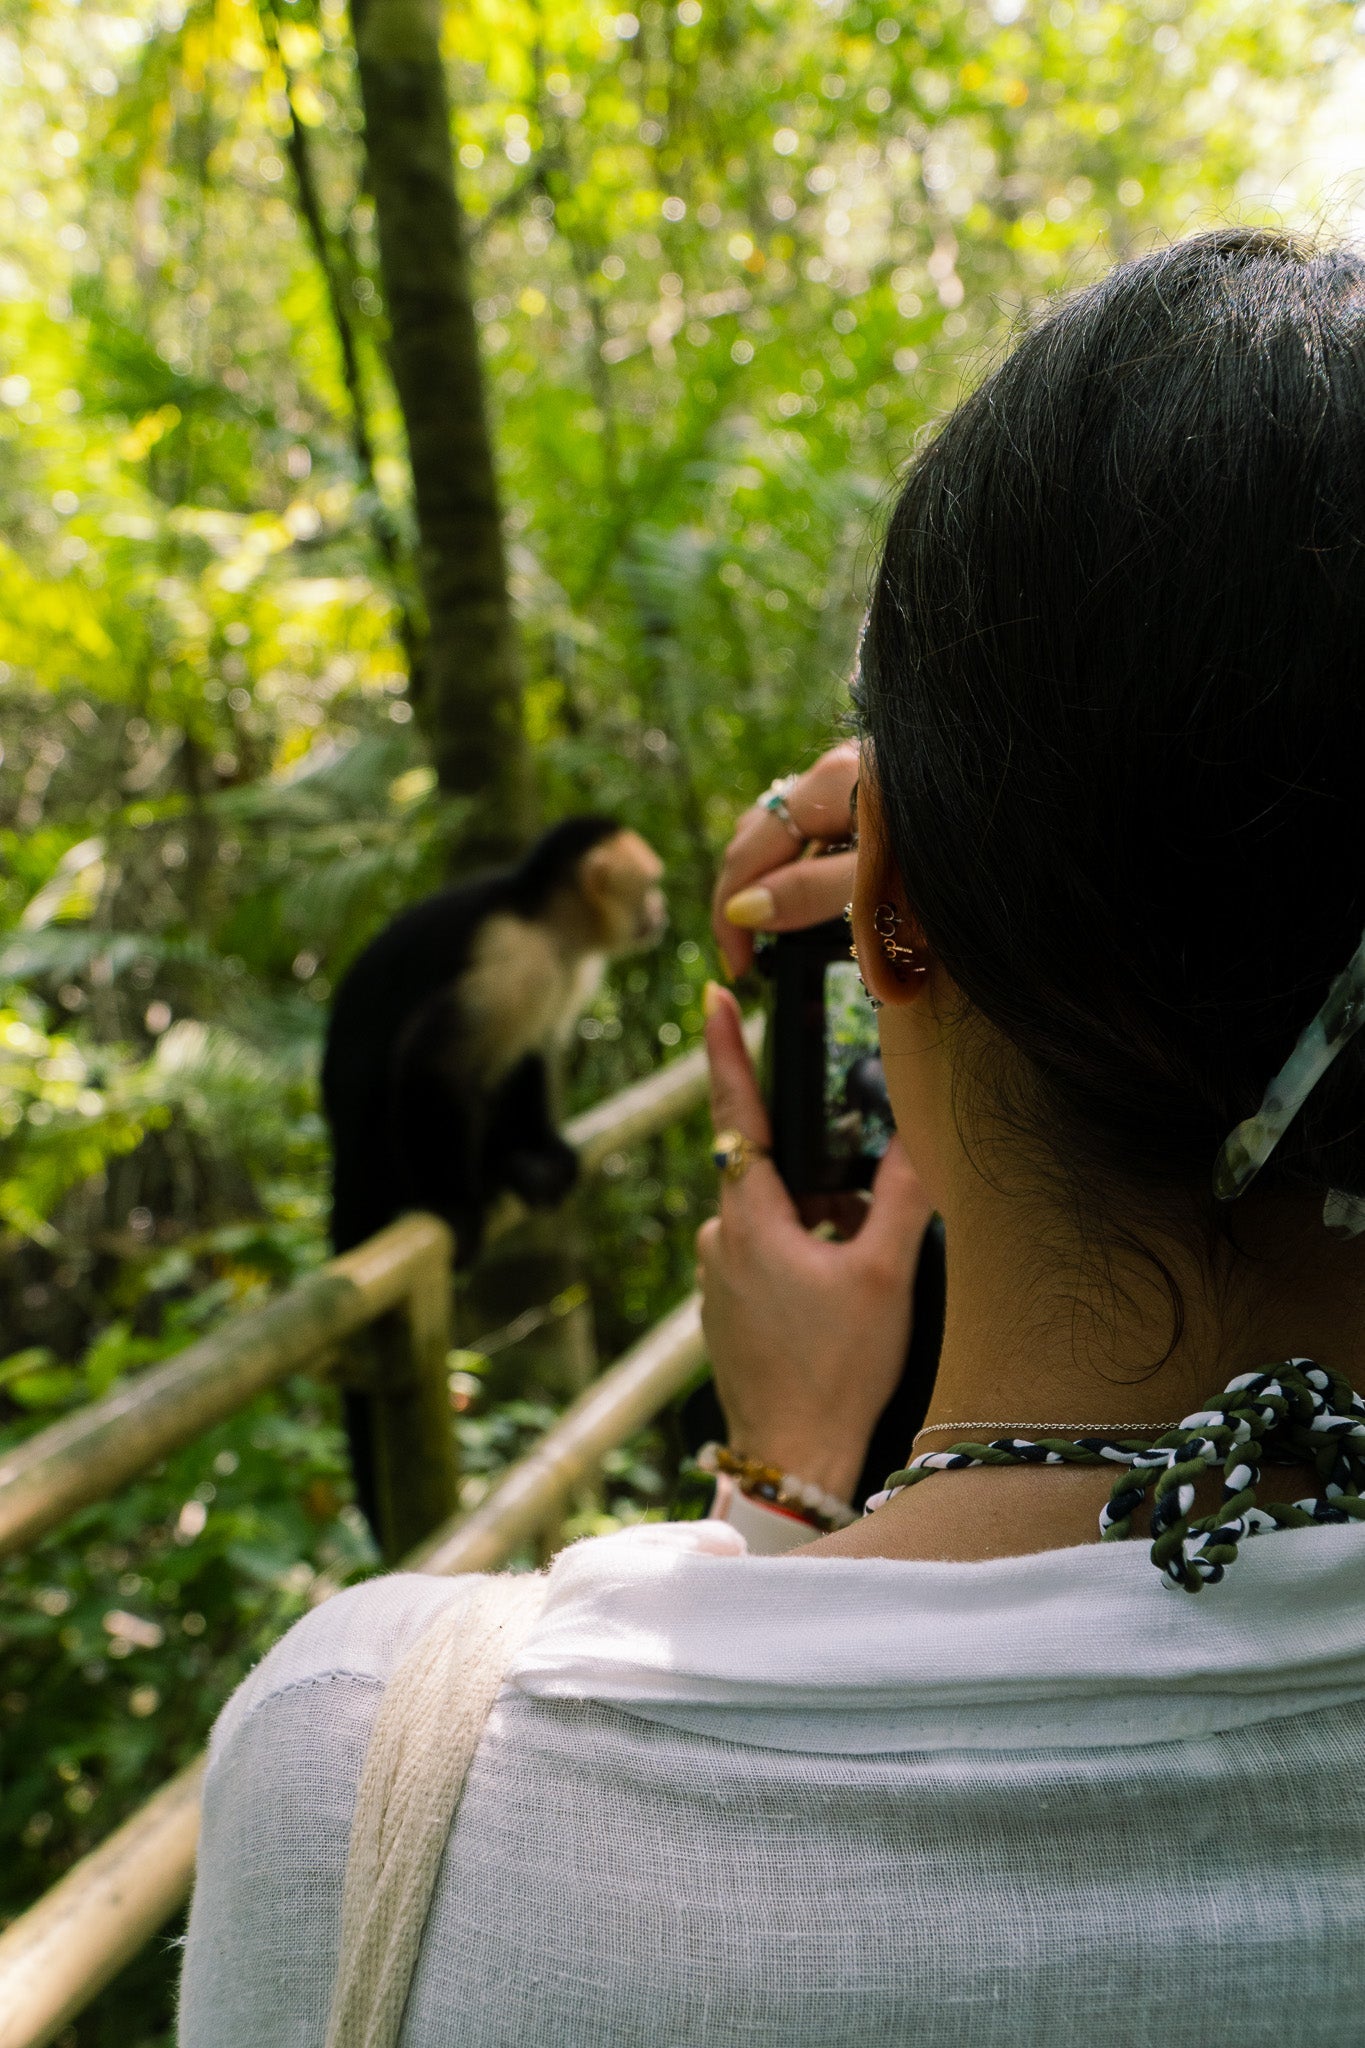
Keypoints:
pixel 1114 681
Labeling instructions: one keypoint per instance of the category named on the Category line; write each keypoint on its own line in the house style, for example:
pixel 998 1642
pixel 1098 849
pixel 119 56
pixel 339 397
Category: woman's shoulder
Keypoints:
pixel 357 1637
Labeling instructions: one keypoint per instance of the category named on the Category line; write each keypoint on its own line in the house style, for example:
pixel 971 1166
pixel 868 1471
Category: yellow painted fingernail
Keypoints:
pixel 751 909
pixel 711 997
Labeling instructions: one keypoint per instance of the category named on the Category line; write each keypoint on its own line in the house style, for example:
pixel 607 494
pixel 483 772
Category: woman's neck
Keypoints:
pixel 1066 1326
pixel 1043 1329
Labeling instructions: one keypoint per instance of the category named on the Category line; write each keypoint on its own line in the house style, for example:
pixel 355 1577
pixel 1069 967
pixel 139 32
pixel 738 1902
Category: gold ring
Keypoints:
pixel 733 1154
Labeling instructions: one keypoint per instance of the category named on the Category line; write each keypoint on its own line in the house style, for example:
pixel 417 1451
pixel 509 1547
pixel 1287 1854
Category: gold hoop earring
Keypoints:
pixel 904 959
pixel 875 1001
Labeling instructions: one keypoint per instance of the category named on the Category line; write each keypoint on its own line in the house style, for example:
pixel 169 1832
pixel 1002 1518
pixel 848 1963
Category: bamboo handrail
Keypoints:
pixel 55 1957
pixel 91 1453
pixel 604 1415
pixel 88 1455
pixel 671 1092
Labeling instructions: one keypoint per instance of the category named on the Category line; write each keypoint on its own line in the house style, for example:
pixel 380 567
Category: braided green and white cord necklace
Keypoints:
pixel 1298 1412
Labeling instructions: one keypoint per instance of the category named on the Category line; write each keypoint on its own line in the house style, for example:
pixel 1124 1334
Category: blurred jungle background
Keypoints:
pixel 719 264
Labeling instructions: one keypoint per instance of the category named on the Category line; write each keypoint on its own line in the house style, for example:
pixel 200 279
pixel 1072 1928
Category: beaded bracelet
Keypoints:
pixel 823 1511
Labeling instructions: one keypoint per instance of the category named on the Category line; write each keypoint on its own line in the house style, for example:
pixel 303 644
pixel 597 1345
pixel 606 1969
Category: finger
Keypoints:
pixel 736 1102
pixel 757 1199
pixel 761 844
pixel 789 898
pixel 820 803
pixel 900 1212
pixel 820 806
pixel 736 948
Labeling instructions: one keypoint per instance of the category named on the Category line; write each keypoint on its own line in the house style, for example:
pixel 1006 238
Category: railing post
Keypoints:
pixel 407 1399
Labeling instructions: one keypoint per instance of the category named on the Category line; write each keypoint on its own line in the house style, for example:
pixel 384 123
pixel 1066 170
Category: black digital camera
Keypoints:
pixel 826 1090
pixel 831 1122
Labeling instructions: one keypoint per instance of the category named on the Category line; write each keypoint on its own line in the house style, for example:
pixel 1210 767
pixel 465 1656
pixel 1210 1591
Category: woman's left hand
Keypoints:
pixel 765 882
pixel 807 1337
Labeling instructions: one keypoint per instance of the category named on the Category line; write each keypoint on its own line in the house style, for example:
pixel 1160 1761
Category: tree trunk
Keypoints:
pixel 335 260
pixel 471 699
pixel 470 703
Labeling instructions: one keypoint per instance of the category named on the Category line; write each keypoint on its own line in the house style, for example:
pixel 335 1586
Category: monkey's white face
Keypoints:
pixel 621 884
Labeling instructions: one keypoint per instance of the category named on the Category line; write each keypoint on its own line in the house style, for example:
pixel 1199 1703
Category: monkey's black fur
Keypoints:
pixel 412 1128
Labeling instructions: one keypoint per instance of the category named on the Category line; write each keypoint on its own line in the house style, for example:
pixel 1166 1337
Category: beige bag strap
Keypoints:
pixel 421 1747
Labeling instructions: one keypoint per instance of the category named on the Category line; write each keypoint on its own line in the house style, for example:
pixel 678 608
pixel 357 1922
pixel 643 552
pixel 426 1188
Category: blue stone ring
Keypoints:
pixel 774 801
pixel 733 1154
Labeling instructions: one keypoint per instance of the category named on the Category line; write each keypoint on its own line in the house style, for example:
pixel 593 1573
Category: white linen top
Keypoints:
pixel 813 1802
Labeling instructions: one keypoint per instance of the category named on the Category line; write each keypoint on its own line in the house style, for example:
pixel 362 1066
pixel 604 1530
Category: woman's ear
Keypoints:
pixel 891 948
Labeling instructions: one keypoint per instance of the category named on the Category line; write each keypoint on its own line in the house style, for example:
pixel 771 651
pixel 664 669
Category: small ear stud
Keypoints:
pixel 904 959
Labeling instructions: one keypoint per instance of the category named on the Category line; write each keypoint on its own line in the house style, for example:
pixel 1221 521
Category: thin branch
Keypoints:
pixel 515 197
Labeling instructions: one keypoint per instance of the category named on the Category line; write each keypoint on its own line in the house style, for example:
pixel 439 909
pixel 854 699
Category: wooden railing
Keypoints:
pixel 55 1957
pixel 403 1273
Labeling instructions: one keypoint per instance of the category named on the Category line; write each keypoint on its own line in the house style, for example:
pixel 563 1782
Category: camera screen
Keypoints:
pixel 858 1120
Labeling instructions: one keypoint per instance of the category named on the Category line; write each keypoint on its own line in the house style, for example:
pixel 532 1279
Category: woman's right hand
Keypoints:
pixel 764 884
pixel 807 1337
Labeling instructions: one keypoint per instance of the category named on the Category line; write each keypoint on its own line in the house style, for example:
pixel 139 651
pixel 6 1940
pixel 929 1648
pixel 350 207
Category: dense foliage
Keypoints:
pixel 731 258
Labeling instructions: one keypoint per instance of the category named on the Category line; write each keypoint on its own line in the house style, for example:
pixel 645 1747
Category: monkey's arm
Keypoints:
pixel 438 1127
pixel 522 1149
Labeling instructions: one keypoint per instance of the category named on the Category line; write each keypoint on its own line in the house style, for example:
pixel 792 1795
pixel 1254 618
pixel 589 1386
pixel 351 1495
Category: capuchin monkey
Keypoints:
pixel 435 1079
